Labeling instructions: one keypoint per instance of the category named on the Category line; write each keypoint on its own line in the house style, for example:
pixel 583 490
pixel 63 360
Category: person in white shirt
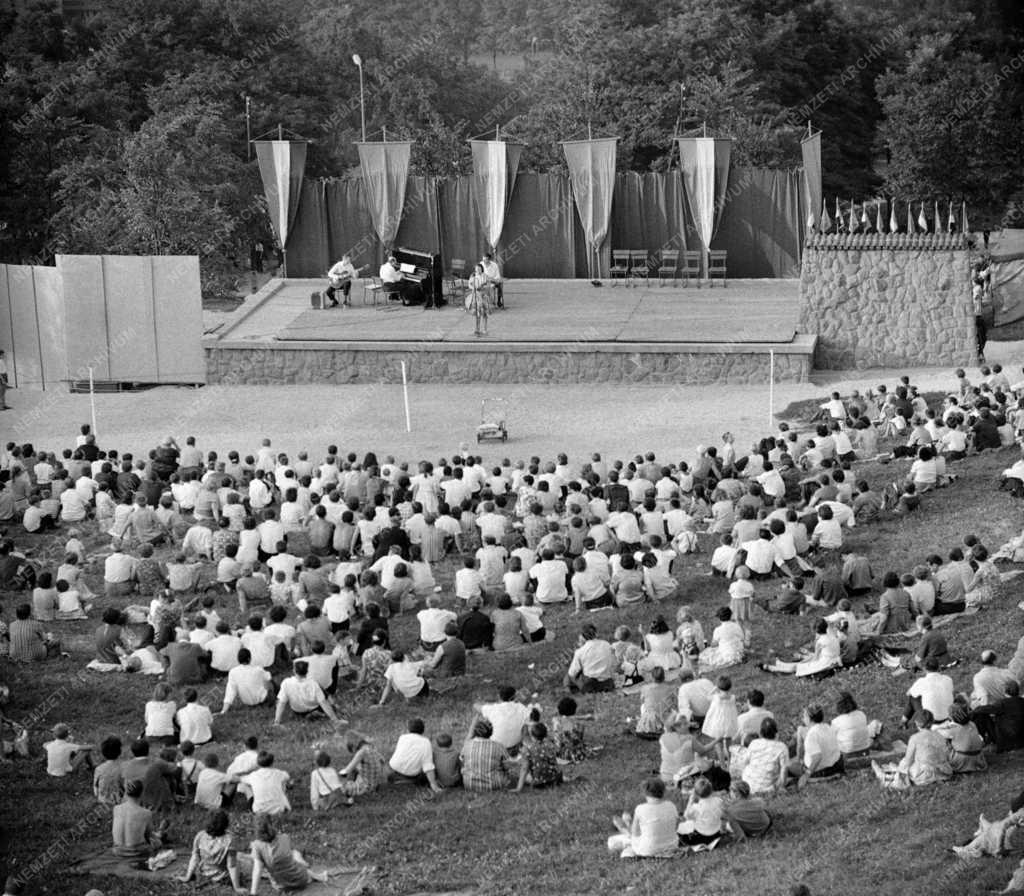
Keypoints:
pixel 246 683
pixel 268 786
pixel 223 649
pixel 413 757
pixel 261 647
pixel 210 783
pixel 63 756
pixel 508 717
pixel 341 276
pixel 392 280
pixel 432 622
pixel 493 274
pixel 404 676
pixel 195 720
pixel 200 634
pixel 549 577
pixel 933 691
pixel 818 748
pixel 594 663
pixel 302 695
pixel 72 508
pixel 694 698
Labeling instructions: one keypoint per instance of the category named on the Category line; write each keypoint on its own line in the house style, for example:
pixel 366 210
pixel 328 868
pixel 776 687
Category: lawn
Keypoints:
pixel 846 838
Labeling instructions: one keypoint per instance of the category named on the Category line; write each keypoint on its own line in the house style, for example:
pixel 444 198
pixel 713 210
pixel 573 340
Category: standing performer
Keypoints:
pixel 476 301
pixel 341 277
pixel 493 273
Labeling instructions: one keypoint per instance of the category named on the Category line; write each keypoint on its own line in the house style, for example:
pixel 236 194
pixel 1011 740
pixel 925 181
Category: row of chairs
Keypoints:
pixel 637 264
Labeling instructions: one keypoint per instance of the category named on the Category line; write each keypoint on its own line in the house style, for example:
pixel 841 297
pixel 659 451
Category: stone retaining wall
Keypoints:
pixel 242 363
pixel 892 300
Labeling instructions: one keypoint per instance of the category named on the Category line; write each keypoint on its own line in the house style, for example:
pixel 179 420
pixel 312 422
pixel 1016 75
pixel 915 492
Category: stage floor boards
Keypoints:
pixel 545 311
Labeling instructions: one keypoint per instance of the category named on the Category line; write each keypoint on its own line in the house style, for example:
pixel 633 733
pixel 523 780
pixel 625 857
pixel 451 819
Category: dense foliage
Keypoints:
pixel 124 131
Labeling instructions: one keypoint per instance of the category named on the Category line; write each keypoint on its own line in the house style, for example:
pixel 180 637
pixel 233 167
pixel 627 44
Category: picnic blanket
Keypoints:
pixel 344 881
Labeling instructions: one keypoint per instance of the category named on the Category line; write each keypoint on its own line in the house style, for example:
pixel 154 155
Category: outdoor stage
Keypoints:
pixel 550 331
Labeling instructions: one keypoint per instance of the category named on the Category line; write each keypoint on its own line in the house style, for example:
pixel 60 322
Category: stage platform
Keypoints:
pixel 549 331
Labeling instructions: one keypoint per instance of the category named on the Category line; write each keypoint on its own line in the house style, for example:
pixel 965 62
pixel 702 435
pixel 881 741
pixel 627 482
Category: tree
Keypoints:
pixel 947 132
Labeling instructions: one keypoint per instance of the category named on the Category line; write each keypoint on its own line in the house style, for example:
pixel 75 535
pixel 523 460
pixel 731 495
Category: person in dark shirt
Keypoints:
pixel 373 622
pixel 1003 723
pixel 986 432
pixel 393 536
pixel 89 450
pixel 126 482
pixel 449 659
pixel 184 662
pixel 476 630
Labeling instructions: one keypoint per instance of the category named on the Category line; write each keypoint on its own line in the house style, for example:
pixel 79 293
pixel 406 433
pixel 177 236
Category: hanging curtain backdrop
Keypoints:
pixel 385 168
pixel 723 155
pixel 1008 286
pixel 763 222
pixel 495 164
pixel 592 175
pixel 763 216
pixel 649 208
pixel 705 165
pixel 811 149
pixel 282 164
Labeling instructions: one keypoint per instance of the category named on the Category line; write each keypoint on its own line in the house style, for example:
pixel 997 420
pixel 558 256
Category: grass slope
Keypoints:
pixel 845 838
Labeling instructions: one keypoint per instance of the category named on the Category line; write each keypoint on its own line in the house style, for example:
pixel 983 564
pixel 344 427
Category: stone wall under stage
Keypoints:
pixel 888 300
pixel 235 363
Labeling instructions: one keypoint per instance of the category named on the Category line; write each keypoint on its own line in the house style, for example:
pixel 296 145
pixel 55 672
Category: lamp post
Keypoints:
pixel 358 60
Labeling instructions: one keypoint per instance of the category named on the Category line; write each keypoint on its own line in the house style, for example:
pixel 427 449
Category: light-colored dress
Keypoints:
pixel 927 759
pixel 981 589
pixel 729 638
pixel 827 655
pixel 722 719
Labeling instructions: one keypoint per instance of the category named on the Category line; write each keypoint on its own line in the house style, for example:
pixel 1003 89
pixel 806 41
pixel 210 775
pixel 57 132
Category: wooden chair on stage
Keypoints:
pixel 639 265
pixel 716 266
pixel 620 265
pixel 667 266
pixel 372 287
pixel 455 279
pixel 691 267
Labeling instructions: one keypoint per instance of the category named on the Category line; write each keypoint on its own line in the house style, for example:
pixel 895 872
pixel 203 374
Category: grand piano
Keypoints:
pixel 423 270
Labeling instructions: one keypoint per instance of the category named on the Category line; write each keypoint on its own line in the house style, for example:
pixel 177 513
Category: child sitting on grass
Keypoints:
pixel 628 655
pixel 568 733
pixel 539 761
pixel 702 818
pixel 210 783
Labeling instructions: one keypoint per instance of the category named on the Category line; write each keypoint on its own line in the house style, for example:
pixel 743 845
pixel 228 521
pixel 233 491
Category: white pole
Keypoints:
pixel 405 392
pixel 92 403
pixel 771 387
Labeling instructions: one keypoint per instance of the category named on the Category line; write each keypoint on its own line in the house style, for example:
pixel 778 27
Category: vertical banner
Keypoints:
pixel 495 166
pixel 282 165
pixel 592 175
pixel 385 168
pixel 705 163
pixel 810 148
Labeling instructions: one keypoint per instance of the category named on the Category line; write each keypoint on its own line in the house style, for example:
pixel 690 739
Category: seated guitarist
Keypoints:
pixel 341 277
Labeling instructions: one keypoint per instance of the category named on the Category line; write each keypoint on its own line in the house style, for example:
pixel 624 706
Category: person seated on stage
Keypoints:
pixel 492 271
pixel 391 279
pixel 341 277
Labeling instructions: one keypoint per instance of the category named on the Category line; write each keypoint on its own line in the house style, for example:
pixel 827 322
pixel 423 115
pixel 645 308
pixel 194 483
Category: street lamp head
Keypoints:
pixel 357 59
